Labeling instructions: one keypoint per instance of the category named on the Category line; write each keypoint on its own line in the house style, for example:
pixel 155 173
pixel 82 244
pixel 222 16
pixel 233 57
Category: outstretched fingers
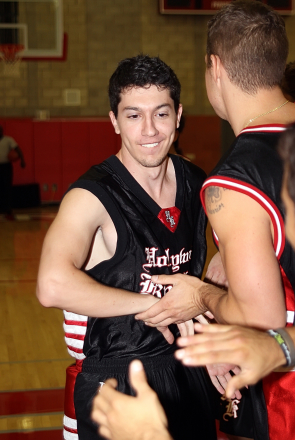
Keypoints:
pixel 106 393
pixel 168 335
pixel 218 385
pixel 186 328
pixel 105 432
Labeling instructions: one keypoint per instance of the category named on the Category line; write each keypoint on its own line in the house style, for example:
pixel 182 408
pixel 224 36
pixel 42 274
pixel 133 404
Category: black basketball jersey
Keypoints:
pixel 253 167
pixel 150 241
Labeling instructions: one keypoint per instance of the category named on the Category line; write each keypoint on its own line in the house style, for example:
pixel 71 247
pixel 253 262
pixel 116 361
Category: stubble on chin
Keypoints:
pixel 153 163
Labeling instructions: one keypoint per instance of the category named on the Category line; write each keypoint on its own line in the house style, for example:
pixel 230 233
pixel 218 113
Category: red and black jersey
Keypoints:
pixel 253 167
pixel 150 241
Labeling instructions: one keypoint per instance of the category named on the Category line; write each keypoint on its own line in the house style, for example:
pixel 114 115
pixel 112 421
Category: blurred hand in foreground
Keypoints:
pixel 122 417
pixel 254 351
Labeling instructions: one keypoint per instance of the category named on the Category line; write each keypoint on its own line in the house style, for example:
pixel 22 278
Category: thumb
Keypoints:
pixel 137 377
pixel 162 279
pixel 236 383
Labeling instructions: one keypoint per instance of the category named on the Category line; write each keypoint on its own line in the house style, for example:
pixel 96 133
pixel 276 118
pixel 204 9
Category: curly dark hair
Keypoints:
pixel 286 150
pixel 142 71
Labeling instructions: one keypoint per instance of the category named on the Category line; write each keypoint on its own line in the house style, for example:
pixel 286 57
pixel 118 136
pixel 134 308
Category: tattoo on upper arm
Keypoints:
pixel 213 199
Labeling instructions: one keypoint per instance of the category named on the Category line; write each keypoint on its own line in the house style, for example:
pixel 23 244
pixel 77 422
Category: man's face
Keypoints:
pixel 290 212
pixel 147 122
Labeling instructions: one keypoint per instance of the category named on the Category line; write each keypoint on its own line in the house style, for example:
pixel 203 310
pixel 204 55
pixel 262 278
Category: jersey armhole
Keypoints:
pixel 111 207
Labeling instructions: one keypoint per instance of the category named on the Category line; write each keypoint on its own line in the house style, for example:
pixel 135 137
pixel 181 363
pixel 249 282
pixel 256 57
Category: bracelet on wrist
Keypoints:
pixel 286 343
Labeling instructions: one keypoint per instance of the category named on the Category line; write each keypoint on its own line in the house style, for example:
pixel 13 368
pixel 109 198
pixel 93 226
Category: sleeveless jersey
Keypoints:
pixel 150 241
pixel 253 167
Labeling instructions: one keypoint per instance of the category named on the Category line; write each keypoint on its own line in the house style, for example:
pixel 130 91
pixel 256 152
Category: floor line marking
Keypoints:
pixel 18 281
pixel 53 413
pixel 37 360
pixel 25 431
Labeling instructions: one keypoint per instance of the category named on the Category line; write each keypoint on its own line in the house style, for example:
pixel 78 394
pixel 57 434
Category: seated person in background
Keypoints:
pixel 9 152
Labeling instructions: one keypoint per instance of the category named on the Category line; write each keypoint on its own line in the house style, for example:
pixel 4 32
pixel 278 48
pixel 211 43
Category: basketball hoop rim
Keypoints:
pixel 10 51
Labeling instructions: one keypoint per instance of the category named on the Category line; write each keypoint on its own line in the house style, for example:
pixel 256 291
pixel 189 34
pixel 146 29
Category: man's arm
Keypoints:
pixel 122 417
pixel 255 294
pixel 61 282
pixel 215 273
pixel 255 351
pixel 21 156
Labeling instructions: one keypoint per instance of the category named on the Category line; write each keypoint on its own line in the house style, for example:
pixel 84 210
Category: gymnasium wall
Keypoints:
pixel 100 33
pixel 59 150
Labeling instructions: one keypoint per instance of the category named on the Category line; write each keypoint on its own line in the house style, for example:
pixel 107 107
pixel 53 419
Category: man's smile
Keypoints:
pixel 150 145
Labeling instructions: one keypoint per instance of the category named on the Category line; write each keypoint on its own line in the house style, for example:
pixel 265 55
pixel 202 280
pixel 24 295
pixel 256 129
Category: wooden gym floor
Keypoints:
pixel 33 355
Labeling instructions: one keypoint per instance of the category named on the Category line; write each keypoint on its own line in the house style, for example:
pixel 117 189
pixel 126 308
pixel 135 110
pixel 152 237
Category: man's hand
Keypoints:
pixel 168 335
pixel 215 273
pixel 180 304
pixel 254 351
pixel 122 417
pixel 220 376
pixel 185 329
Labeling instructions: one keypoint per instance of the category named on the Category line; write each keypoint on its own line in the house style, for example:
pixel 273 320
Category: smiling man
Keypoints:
pixel 135 215
pixel 247 50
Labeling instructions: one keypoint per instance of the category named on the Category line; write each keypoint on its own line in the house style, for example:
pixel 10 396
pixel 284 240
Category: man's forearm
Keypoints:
pixel 73 290
pixel 228 309
pixel 213 299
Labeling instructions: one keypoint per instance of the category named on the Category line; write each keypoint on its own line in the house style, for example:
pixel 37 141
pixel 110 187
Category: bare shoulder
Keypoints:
pixel 219 199
pixel 229 210
pixel 214 199
pixel 71 233
pixel 80 206
pixel 79 216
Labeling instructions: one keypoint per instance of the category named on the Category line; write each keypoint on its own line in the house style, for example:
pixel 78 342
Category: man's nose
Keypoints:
pixel 149 127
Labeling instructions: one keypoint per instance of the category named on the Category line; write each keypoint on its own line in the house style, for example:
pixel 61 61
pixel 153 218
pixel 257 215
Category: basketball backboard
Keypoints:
pixel 37 25
pixel 207 7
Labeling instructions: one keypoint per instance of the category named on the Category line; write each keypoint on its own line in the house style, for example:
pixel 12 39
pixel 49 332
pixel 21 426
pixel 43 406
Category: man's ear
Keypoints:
pixel 215 67
pixel 114 122
pixel 179 113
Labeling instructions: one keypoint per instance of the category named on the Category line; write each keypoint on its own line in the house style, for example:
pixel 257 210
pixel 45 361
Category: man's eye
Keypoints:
pixel 132 116
pixel 162 115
